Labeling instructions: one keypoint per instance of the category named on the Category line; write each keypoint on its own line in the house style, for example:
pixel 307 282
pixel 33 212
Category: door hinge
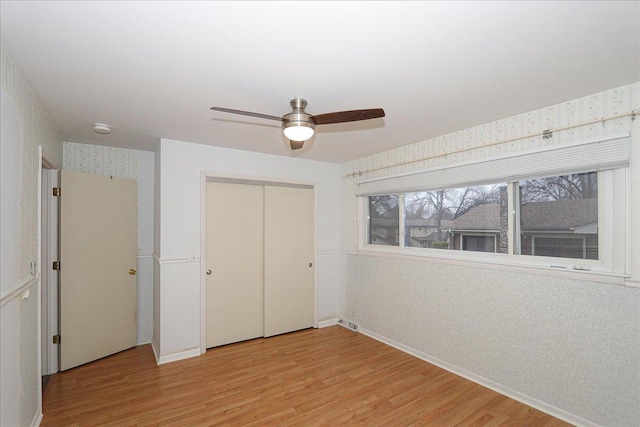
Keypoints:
pixel 56 339
pixel 56 191
pixel 56 265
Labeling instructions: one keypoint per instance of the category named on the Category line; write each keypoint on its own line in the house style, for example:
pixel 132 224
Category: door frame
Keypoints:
pixel 43 164
pixel 213 176
pixel 49 278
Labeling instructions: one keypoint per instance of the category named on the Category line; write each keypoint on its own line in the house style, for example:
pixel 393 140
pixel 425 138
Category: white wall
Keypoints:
pixel 156 252
pixel 139 165
pixel 19 315
pixel 181 164
pixel 11 179
pixel 568 346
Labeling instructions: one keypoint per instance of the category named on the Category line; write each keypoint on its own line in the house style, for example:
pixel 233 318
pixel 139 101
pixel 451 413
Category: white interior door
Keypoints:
pixel 98 292
pixel 235 221
pixel 288 252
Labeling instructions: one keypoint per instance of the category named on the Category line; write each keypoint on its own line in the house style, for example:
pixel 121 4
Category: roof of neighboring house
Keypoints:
pixel 431 237
pixel 419 222
pixel 557 215
pixel 425 222
pixel 434 236
pixel 482 217
pixel 384 222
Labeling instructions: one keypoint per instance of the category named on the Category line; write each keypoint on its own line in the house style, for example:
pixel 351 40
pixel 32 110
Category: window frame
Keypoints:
pixel 610 267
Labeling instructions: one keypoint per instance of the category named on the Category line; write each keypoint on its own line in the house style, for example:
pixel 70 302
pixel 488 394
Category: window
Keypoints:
pixel 559 216
pixel 384 220
pixel 556 217
pixel 563 207
pixel 438 219
pixel 563 247
pixel 479 243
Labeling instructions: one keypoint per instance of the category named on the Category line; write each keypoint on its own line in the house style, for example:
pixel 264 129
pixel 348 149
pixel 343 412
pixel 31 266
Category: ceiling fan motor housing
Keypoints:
pixel 298 120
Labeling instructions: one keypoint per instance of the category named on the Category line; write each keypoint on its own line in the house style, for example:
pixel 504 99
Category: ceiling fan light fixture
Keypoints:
pixel 298 130
pixel 298 125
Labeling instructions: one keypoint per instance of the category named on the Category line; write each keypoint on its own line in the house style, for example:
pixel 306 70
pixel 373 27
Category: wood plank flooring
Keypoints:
pixel 315 377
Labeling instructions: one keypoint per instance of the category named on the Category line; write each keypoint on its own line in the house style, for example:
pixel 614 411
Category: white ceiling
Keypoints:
pixel 153 69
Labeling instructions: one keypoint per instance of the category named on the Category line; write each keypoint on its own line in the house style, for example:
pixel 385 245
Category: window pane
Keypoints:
pixel 559 216
pixel 479 243
pixel 439 219
pixel 384 220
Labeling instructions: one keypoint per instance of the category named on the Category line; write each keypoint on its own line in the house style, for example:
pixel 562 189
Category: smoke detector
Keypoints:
pixel 101 128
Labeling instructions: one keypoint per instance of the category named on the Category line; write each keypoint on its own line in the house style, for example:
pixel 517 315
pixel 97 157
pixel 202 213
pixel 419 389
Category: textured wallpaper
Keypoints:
pixel 38 129
pixel 28 310
pixel 95 159
pixel 570 344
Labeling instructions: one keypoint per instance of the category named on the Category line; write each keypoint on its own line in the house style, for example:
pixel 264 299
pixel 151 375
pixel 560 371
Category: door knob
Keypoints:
pixel 310 264
pixel 208 272
pixel 132 272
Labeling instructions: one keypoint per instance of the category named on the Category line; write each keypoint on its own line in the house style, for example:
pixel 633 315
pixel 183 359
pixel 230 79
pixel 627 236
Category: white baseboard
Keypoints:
pixel 154 347
pixel 516 395
pixel 328 322
pixel 181 355
pixel 37 419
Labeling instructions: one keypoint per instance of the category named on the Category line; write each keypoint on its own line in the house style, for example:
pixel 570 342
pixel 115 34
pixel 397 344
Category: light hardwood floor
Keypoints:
pixel 315 377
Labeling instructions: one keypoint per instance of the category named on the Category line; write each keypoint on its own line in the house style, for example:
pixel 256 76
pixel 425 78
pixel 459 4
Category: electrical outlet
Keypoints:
pixel 353 313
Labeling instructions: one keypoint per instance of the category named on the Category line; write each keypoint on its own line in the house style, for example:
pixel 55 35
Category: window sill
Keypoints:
pixel 503 262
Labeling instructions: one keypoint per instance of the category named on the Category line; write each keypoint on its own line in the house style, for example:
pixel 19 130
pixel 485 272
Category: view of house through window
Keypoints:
pixel 479 243
pixel 468 219
pixel 384 220
pixel 559 216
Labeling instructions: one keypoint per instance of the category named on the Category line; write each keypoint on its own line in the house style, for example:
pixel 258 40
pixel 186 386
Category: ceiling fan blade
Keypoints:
pixel 348 116
pixel 247 113
pixel 296 145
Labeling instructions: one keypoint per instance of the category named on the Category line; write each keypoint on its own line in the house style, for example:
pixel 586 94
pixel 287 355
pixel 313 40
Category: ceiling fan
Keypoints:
pixel 298 125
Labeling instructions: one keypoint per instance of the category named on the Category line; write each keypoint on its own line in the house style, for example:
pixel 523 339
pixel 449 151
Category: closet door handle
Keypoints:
pixel 208 272
pixel 310 264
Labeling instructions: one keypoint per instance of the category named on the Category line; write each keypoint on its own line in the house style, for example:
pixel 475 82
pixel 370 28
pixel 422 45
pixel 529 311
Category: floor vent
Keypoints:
pixel 348 324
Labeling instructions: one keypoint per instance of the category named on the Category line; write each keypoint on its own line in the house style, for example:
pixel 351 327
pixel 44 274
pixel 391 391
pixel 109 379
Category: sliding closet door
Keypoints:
pixel 235 231
pixel 288 253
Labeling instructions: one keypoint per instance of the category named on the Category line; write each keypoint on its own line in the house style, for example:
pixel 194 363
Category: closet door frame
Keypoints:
pixel 212 176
